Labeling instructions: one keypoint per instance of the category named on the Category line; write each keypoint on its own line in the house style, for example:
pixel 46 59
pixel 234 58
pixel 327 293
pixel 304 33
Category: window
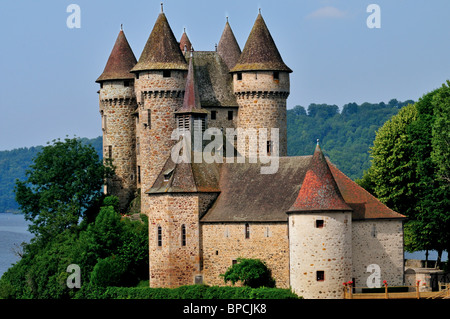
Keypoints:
pixel 138 145
pixel 137 76
pixel 110 151
pixel 319 223
pixel 183 235
pixel 247 231
pixel 167 174
pixel 276 75
pixel 269 147
pixel 126 83
pixel 239 76
pixel 159 236
pixel 234 262
pixel 213 115
pixel 183 122
pixel 166 73
pixel 103 122
pixel 147 118
pixel 139 174
pixel 230 115
pixel 320 275
pixel 101 85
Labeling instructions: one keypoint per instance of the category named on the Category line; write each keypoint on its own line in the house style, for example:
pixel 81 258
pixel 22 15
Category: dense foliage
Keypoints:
pixel 345 136
pixel 186 292
pixel 63 181
pixel 250 272
pixel 13 165
pixel 110 251
pixel 409 165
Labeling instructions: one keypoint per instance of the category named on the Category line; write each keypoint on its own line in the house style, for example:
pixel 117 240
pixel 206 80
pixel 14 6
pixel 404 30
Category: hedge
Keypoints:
pixel 186 292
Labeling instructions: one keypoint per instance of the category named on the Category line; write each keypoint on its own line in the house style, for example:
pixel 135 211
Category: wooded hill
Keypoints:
pixel 345 136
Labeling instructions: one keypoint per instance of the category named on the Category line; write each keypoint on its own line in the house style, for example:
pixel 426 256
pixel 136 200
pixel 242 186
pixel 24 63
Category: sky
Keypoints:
pixel 48 70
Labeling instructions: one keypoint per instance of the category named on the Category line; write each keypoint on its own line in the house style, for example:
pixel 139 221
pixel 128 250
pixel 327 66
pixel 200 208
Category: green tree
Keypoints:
pixel 64 180
pixel 441 133
pixel 251 272
pixel 404 176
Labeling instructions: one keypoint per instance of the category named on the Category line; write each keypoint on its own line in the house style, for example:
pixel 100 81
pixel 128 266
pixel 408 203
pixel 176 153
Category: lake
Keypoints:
pixel 13 231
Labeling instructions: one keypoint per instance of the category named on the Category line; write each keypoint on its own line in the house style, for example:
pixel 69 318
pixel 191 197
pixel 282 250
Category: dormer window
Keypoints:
pixel 167 174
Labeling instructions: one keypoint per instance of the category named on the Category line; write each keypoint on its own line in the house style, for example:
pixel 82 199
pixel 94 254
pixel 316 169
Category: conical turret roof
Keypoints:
pixel 319 190
pixel 162 51
pixel 185 42
pixel 260 52
pixel 120 61
pixel 228 48
pixel 191 102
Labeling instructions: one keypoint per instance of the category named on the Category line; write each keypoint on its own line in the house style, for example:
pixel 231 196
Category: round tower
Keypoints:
pixel 320 235
pixel 159 86
pixel 261 85
pixel 117 108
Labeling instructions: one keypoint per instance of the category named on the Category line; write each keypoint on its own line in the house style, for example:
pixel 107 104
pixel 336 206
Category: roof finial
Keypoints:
pixel 184 29
pixel 192 52
pixel 259 10
pixel 162 9
pixel 227 18
pixel 215 46
pixel 121 27
pixel 317 142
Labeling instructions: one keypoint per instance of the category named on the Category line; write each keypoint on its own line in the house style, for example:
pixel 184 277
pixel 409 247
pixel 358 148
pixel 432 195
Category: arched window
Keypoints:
pixel 183 235
pixel 159 236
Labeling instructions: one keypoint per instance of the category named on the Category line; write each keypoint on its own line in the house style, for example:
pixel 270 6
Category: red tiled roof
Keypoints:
pixel 319 190
pixel 120 61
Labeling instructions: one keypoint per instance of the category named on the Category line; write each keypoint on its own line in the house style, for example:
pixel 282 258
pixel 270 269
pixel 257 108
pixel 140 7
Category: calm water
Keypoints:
pixel 13 231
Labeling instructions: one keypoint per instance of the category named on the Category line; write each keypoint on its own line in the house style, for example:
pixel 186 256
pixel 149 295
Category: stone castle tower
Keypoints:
pixel 311 224
pixel 141 101
pixel 117 108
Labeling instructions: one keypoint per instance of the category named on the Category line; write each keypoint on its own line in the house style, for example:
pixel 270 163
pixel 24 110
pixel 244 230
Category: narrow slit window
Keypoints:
pixel 276 75
pixel 110 151
pixel 230 115
pixel 159 236
pixel 247 231
pixel 139 174
pixel 183 235
pixel 239 76
pixel 213 115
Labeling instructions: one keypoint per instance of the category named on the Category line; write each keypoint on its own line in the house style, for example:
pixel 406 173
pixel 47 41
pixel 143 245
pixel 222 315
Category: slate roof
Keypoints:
pixel 213 79
pixel 260 52
pixel 191 101
pixel 162 50
pixel 120 61
pixel 246 195
pixel 228 48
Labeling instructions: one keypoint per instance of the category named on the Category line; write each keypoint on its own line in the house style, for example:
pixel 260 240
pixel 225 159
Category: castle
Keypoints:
pixel 313 226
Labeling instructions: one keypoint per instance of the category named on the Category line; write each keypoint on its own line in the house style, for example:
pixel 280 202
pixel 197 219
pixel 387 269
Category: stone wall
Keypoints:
pixel 173 264
pixel 262 104
pixel 378 242
pixel 160 97
pixel 117 107
pixel 320 257
pixel 225 242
